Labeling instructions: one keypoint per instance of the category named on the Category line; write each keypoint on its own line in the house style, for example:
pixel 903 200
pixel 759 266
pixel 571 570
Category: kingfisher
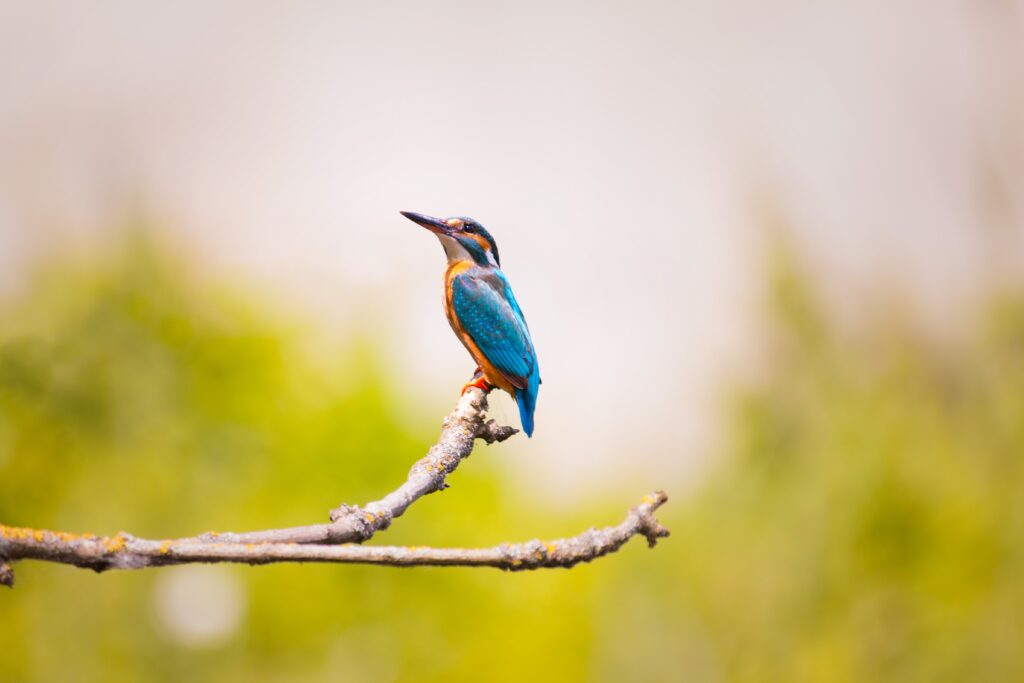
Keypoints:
pixel 484 314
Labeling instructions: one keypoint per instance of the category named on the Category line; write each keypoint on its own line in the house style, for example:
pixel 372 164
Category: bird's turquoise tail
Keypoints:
pixel 526 399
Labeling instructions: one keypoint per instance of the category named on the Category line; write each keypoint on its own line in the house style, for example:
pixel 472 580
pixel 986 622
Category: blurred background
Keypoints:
pixel 771 255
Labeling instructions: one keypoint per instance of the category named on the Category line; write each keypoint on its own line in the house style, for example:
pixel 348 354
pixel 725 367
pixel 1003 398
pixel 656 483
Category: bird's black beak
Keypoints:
pixel 435 225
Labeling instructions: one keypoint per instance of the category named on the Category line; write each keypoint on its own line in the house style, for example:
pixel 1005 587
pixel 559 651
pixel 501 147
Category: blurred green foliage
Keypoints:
pixel 864 523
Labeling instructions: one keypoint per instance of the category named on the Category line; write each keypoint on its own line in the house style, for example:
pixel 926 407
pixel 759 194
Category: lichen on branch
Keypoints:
pixel 338 541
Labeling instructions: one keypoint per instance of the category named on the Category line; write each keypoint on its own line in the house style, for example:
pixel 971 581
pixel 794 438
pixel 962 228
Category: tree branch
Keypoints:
pixel 352 523
pixel 335 542
pixel 127 552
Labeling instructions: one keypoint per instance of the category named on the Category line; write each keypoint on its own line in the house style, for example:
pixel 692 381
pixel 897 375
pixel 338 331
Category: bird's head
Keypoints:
pixel 462 238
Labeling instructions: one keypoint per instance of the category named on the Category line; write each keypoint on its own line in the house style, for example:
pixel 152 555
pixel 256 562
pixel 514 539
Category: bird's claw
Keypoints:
pixel 478 381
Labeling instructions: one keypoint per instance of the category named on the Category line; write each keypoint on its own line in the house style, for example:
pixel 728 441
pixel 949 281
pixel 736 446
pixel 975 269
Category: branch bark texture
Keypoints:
pixel 127 552
pixel 354 523
pixel 337 541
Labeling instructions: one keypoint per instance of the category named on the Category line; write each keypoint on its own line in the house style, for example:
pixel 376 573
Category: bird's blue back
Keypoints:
pixel 485 306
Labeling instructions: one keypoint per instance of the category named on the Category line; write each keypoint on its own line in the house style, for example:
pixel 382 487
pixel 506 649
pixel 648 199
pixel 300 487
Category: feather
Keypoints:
pixel 486 309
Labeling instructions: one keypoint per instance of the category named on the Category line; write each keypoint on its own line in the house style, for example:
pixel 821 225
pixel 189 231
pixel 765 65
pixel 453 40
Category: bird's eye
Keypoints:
pixel 468 228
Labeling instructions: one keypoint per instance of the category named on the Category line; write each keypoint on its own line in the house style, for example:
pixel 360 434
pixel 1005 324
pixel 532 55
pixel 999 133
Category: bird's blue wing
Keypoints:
pixel 490 315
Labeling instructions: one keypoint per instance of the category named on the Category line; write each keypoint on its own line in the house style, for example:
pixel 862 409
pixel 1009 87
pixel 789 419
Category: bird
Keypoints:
pixel 484 314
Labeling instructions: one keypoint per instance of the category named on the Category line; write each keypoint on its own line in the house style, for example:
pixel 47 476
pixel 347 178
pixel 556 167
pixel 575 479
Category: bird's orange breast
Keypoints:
pixel 491 373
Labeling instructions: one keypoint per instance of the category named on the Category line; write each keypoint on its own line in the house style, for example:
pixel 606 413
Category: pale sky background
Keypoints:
pixel 621 153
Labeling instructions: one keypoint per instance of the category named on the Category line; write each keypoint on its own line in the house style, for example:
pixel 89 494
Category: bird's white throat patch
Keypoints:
pixel 457 252
pixel 454 250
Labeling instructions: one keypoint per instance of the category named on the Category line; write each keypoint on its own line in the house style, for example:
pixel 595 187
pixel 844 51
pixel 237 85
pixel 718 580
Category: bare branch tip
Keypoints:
pixel 652 530
pixel 492 432
pixel 6 574
pixel 647 524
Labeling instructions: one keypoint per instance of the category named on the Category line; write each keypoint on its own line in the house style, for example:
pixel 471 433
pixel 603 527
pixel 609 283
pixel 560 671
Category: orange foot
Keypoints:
pixel 478 381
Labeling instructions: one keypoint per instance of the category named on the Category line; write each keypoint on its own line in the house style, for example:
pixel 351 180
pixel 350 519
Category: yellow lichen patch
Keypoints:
pixel 39 535
pixel 165 547
pixel 14 533
pixel 114 544
pixel 648 500
pixel 551 548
